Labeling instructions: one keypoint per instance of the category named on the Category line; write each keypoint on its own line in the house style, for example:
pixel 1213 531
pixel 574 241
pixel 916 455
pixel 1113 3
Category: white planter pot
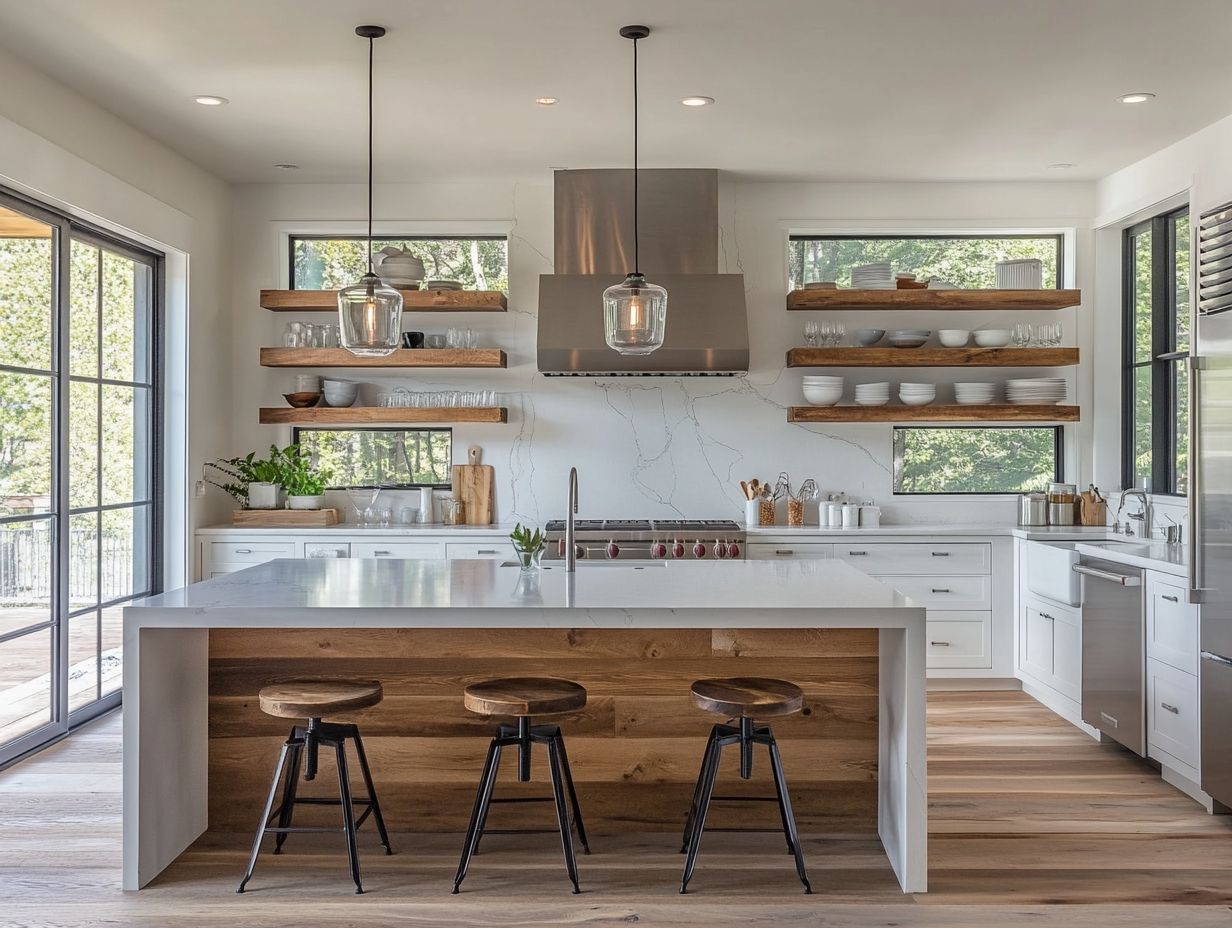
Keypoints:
pixel 263 495
pixel 305 502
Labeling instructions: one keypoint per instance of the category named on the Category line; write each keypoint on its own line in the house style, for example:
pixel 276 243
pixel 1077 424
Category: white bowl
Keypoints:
pixel 340 393
pixel 872 400
pixel 868 337
pixel 823 397
pixel 992 338
pixel 953 338
pixel 921 400
pixel 914 333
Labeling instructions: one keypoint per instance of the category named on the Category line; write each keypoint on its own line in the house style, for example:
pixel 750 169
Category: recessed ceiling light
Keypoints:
pixel 208 99
pixel 697 101
pixel 1140 96
pixel 286 166
pixel 546 101
pixel 1060 166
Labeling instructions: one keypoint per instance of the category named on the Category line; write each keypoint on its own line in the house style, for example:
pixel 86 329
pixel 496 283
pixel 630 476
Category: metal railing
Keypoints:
pixel 96 572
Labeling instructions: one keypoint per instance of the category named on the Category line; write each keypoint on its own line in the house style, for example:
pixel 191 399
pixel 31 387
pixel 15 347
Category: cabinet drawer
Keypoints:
pixel 944 592
pixel 1172 715
pixel 406 549
pixel 249 552
pixel 911 558
pixel 759 551
pixel 326 550
pixel 492 550
pixel 959 639
pixel 1171 625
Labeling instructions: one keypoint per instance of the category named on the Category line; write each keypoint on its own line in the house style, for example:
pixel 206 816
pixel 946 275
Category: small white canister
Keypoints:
pixel 751 507
pixel 831 514
pixel 851 515
pixel 870 516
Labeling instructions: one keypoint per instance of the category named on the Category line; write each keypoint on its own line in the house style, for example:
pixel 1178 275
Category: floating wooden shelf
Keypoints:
pixel 424 301
pixel 383 415
pixel 403 357
pixel 991 413
pixel 932 357
pixel 934 299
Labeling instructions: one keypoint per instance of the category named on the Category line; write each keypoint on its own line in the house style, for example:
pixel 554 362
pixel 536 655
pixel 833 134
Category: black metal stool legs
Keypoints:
pixel 745 736
pixel 564 795
pixel 300 747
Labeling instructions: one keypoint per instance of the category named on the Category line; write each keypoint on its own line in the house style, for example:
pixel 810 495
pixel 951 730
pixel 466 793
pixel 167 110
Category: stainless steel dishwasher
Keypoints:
pixel 1113 641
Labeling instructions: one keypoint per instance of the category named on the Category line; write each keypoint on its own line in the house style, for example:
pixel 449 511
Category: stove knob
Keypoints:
pixel 613 550
pixel 720 549
pixel 677 548
pixel 733 549
pixel 699 549
pixel 658 550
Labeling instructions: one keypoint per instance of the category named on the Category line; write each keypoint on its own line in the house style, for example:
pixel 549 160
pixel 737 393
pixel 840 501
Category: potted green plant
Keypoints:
pixel 305 484
pixel 250 481
pixel 529 546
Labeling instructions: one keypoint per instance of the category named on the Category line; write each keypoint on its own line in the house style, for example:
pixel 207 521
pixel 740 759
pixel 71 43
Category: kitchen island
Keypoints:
pixel 198 753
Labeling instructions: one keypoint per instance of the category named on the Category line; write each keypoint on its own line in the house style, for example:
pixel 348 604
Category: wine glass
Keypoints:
pixel 362 499
pixel 810 334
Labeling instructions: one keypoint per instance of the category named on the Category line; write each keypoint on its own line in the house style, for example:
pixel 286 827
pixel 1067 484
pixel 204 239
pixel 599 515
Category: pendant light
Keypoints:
pixel 370 312
pixel 634 311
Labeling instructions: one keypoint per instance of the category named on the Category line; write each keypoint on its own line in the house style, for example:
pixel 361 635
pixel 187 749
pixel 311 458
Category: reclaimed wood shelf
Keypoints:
pixel 932 357
pixel 403 357
pixel 1016 300
pixel 991 413
pixel 423 301
pixel 384 415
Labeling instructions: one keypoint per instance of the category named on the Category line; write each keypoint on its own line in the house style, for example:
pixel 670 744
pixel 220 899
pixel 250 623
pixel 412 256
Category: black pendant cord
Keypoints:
pixel 636 230
pixel 371 46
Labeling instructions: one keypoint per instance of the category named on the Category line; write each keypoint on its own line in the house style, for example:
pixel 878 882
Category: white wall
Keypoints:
pixel 60 148
pixel 648 447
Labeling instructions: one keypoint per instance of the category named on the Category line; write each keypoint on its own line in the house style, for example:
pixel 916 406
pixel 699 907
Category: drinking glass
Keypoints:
pixel 453 338
pixel 361 499
pixel 472 339
pixel 292 334
pixel 840 332
pixel 810 334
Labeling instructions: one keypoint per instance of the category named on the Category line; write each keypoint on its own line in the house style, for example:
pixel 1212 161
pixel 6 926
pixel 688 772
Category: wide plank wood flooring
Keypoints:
pixel 1032 823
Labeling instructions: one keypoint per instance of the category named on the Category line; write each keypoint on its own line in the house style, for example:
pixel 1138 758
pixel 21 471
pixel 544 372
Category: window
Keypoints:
pixel 381 457
pixel 79 465
pixel 1155 387
pixel 331 262
pixel 966 261
pixel 976 459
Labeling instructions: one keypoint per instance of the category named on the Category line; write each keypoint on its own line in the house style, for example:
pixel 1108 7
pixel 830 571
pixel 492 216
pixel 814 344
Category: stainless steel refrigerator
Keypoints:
pixel 1210 494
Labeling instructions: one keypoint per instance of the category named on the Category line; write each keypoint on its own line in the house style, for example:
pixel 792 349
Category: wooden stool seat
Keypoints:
pixel 748 697
pixel 314 699
pixel 524 696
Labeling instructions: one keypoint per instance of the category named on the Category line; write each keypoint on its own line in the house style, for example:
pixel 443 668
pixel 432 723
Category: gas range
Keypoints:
pixel 648 539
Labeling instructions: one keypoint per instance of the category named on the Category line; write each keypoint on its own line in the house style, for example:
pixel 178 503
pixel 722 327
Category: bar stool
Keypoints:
pixel 743 698
pixel 524 697
pixel 313 700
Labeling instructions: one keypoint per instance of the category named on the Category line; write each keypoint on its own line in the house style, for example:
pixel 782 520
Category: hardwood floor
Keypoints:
pixel 1032 823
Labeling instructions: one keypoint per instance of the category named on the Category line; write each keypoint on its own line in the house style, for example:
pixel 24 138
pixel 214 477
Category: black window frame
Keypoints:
pixel 377 240
pixel 1164 358
pixel 964 236
pixel 1058 454
pixel 297 430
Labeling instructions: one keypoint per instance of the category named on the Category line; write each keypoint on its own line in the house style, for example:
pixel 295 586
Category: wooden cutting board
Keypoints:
pixel 472 484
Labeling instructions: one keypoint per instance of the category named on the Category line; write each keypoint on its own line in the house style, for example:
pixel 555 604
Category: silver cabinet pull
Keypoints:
pixel 380 553
pixel 940 590
pixel 1171 599
pixel 243 550
pixel 1171 708
pixel 939 644
pixel 1122 579
pixel 857 554
pixel 941 554
pixel 486 551
pixel 1045 615
pixel 783 552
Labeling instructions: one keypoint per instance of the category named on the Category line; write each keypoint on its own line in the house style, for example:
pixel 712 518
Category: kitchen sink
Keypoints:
pixel 1049 568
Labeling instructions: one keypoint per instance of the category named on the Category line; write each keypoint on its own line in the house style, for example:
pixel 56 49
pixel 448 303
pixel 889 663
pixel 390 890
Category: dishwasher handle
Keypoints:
pixel 1122 579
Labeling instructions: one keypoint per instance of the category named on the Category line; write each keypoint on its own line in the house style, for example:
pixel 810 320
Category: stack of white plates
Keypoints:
pixel 908 338
pixel 873 277
pixel 823 391
pixel 1020 274
pixel 872 394
pixel 974 394
pixel 443 285
pixel 1042 391
pixel 917 394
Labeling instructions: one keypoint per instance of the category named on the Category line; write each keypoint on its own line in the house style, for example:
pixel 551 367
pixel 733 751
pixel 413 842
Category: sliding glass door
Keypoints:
pixel 79 528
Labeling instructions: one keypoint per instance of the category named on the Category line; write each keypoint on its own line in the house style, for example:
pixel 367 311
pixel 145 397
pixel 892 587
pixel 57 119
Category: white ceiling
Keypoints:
pixel 812 89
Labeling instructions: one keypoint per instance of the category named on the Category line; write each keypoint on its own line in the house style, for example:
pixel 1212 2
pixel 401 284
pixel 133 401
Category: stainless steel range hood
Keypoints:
pixel 707 325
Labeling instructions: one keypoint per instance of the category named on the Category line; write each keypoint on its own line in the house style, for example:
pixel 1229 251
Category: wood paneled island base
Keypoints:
pixel 635 748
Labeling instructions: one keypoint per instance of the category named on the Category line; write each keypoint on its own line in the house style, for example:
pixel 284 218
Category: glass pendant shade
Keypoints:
pixel 634 315
pixel 370 318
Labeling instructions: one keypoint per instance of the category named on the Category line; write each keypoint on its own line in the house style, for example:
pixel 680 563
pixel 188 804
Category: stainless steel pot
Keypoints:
pixel 1033 509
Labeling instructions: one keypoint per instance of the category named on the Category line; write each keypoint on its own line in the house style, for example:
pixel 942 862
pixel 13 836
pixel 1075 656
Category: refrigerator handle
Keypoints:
pixel 1194 523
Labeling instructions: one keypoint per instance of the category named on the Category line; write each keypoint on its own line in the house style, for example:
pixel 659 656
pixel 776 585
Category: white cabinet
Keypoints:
pixel 788 551
pixel 959 639
pixel 1171 624
pixel 892 559
pixel 407 549
pixel 1050 646
pixel 1172 717
pixel 944 592
pixel 487 550
pixel 249 552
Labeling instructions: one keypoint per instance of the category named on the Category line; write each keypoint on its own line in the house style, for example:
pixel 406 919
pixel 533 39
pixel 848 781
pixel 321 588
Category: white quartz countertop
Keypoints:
pixel 350 528
pixel 1170 559
pixel 395 592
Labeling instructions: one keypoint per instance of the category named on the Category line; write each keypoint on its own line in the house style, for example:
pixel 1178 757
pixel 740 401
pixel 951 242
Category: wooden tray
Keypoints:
pixel 284 518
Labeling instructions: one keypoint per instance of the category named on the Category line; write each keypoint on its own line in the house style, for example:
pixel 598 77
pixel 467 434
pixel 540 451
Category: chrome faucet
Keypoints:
pixel 1143 515
pixel 570 541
